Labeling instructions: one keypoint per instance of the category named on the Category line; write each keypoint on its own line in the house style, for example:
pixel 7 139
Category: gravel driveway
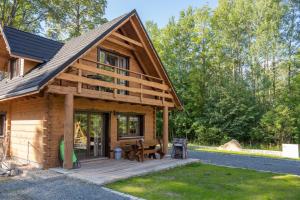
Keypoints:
pixel 249 162
pixel 61 188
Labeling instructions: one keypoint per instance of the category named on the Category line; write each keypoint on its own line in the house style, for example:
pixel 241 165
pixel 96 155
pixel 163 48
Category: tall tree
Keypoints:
pixel 76 17
pixel 26 15
pixel 229 67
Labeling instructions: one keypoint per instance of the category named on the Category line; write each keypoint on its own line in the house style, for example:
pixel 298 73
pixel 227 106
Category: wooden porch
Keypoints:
pixel 104 171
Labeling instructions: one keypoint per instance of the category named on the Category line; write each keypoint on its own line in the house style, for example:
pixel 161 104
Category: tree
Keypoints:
pixel 57 19
pixel 26 15
pixel 76 17
pixel 229 66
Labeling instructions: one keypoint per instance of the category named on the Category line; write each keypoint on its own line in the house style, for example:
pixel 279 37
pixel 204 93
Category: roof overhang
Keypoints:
pixel 5 40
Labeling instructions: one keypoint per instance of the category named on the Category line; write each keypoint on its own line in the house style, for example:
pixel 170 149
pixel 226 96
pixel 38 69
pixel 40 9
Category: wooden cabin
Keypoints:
pixel 95 91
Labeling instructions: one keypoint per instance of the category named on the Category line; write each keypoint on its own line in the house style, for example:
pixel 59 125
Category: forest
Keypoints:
pixel 235 67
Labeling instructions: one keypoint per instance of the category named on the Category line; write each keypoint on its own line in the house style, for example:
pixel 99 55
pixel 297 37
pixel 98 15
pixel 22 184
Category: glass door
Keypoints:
pixel 80 134
pixel 96 135
pixel 89 135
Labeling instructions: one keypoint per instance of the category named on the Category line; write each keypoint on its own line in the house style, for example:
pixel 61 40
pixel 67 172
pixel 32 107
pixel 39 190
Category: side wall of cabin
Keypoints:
pixel 26 128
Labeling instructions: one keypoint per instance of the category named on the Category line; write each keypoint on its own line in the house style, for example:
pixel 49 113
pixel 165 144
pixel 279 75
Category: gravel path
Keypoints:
pixel 249 162
pixel 61 188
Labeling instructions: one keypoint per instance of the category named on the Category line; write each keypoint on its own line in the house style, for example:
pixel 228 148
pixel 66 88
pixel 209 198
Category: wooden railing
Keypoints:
pixel 141 88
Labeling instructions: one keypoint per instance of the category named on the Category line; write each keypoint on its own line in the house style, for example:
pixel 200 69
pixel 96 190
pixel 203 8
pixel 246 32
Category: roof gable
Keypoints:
pixel 39 77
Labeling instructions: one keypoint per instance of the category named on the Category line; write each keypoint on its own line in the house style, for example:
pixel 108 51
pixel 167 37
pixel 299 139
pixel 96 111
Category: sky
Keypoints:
pixel 159 11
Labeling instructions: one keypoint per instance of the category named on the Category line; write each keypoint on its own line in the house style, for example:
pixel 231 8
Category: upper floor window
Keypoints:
pixel 15 68
pixel 116 60
pixel 2 124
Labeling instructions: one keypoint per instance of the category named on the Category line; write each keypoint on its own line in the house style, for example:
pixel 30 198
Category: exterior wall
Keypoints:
pixel 56 116
pixel 28 65
pixel 5 108
pixel 28 129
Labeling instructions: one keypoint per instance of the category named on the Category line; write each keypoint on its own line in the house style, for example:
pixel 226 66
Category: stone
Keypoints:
pixel 232 145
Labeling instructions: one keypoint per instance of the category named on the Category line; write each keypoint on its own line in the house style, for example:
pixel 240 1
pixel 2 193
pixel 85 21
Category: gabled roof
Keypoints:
pixel 30 46
pixel 69 52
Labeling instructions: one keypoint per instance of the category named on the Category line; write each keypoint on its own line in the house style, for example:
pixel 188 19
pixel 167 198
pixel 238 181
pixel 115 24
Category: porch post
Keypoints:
pixel 165 129
pixel 68 131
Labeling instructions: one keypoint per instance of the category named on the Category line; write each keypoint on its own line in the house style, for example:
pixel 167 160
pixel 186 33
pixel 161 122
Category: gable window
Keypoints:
pixel 15 68
pixel 2 124
pixel 130 125
pixel 116 60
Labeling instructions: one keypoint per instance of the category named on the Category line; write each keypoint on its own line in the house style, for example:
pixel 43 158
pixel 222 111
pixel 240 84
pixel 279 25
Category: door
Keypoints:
pixel 89 135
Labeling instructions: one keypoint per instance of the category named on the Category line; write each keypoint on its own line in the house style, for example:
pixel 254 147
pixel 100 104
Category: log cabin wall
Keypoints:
pixel 56 116
pixel 28 129
pixel 5 108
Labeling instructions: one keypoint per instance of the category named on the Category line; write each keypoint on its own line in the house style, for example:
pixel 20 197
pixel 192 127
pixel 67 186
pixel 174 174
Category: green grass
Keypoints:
pixel 195 148
pixel 202 181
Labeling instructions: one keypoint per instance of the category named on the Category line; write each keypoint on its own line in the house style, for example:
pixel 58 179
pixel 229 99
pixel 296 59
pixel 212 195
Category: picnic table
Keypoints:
pixel 139 149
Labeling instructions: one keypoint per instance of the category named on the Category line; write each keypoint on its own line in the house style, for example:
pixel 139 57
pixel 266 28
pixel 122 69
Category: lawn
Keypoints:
pixel 243 153
pixel 202 181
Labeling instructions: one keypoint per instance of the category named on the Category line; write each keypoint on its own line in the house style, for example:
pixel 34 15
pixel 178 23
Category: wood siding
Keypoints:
pixel 56 116
pixel 28 130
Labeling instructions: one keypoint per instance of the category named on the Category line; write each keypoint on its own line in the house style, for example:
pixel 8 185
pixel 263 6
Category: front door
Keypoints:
pixel 90 134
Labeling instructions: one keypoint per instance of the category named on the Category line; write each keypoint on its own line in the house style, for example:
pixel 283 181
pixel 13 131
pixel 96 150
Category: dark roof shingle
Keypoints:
pixel 31 46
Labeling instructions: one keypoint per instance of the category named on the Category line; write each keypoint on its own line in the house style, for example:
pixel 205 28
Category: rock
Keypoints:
pixel 232 145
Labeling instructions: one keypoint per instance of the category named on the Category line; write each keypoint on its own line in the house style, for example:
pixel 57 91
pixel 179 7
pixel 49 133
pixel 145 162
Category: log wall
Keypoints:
pixel 56 116
pixel 28 130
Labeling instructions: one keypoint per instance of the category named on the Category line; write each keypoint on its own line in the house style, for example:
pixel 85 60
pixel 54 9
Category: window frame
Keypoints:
pixel 113 53
pixel 3 123
pixel 141 118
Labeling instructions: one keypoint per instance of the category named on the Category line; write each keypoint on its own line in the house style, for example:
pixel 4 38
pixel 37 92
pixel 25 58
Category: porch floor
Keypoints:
pixel 103 171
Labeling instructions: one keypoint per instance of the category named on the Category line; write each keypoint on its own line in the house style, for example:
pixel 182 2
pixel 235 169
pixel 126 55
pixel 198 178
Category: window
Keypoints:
pixel 15 68
pixel 114 60
pixel 2 124
pixel 130 125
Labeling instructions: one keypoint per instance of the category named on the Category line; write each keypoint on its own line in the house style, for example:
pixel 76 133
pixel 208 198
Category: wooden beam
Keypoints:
pixel 95 82
pixel 123 77
pixel 79 83
pixel 136 56
pixel 145 47
pixel 68 131
pixel 132 41
pixel 165 129
pixel 118 42
pixel 87 93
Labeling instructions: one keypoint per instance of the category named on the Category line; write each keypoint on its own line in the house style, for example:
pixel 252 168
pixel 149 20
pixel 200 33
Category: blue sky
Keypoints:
pixel 158 11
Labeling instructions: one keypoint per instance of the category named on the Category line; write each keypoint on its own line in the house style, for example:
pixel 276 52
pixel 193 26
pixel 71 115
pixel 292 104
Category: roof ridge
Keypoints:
pixel 43 37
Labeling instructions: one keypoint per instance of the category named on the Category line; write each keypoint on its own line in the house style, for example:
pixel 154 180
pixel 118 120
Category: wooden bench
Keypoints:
pixel 149 149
